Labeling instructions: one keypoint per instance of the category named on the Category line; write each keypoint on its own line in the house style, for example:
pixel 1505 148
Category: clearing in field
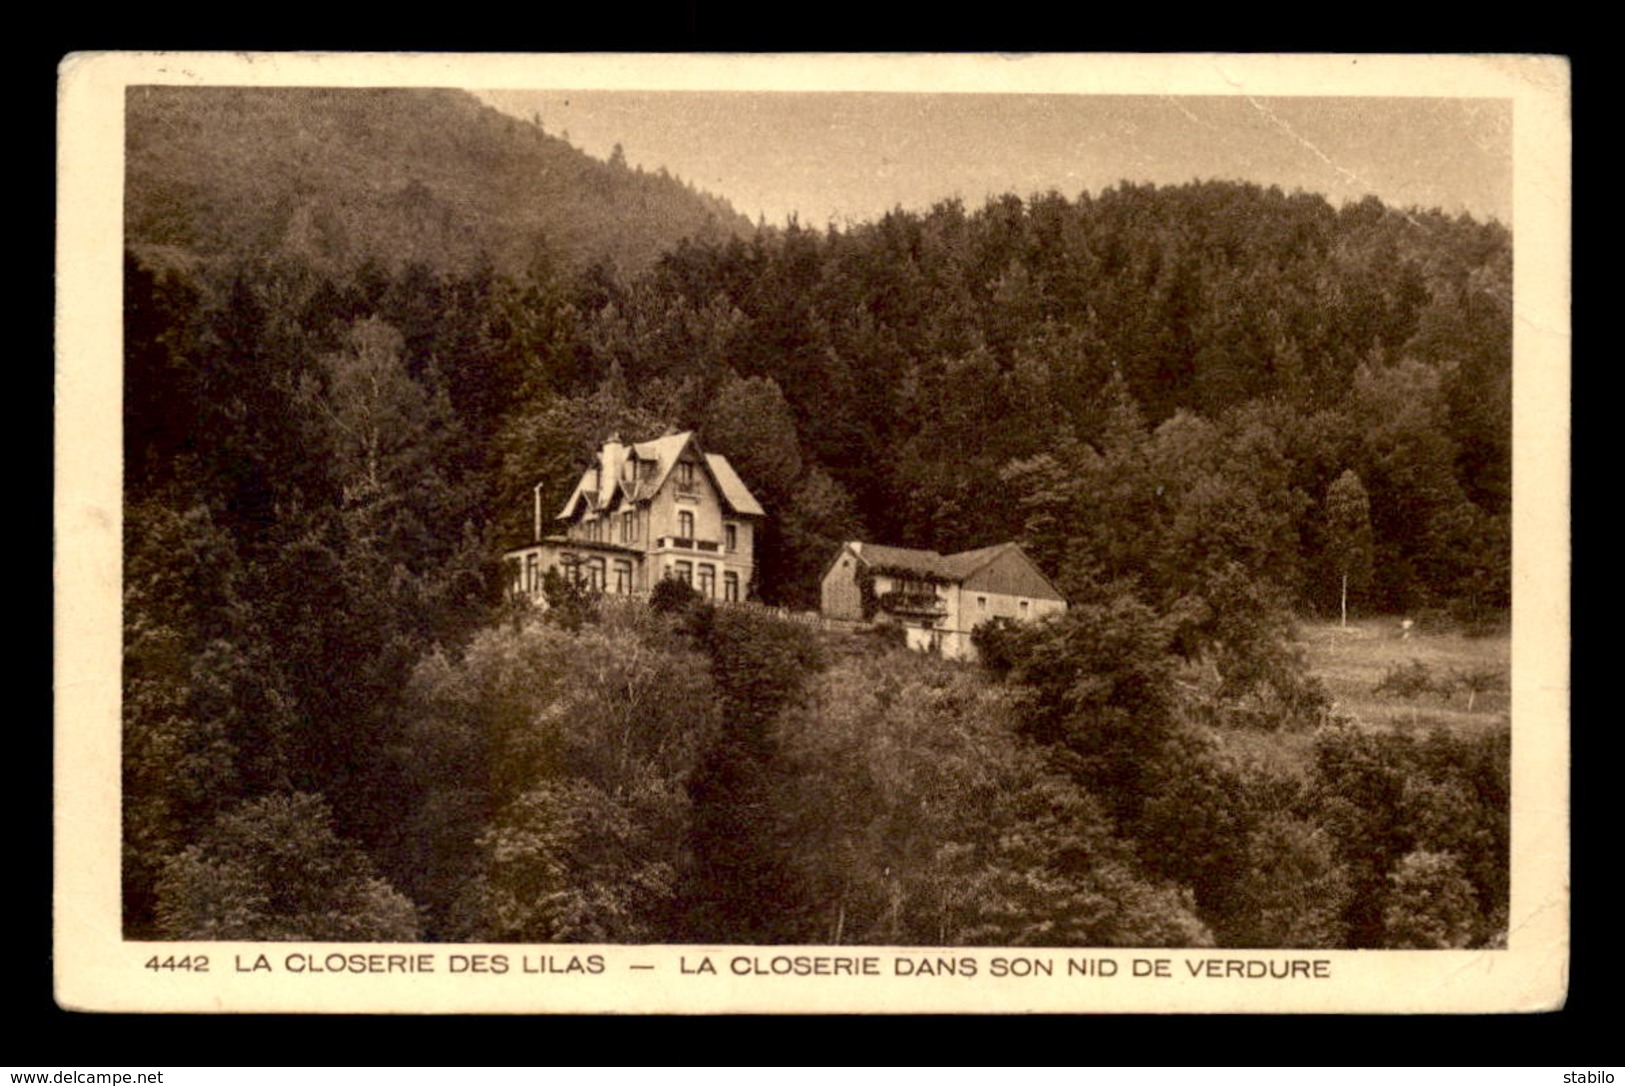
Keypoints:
pixel 1378 676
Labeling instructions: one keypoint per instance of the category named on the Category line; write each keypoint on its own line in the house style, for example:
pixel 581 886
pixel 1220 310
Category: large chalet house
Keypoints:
pixel 646 511
pixel 938 599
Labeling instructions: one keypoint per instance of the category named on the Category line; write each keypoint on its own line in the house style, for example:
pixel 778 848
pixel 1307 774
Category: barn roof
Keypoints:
pixel 925 563
pixel 952 568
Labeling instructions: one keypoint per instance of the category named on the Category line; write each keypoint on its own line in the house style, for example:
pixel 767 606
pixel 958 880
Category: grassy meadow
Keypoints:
pixel 1353 662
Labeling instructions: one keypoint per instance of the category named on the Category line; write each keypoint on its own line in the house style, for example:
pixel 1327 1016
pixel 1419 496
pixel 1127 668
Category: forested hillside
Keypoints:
pixel 334 177
pixel 1202 409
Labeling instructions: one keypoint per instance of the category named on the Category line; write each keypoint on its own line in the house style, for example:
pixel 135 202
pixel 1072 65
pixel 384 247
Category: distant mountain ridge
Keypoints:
pixel 339 176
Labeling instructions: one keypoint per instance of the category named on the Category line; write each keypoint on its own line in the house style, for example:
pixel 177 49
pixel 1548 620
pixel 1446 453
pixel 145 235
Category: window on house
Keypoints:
pixel 1023 608
pixel 731 533
pixel 685 525
pixel 708 580
pixel 730 586
pixel 685 473
pixel 981 603
pixel 629 526
pixel 623 578
pixel 683 571
pixel 533 576
pixel 595 574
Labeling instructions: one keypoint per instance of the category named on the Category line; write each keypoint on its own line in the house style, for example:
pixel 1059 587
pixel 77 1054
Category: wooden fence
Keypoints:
pixel 811 619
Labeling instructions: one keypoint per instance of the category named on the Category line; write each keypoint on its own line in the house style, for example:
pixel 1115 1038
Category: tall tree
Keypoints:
pixel 553 765
pixel 743 888
pixel 274 869
pixel 370 409
pixel 750 423
pixel 916 815
pixel 1348 533
pixel 207 714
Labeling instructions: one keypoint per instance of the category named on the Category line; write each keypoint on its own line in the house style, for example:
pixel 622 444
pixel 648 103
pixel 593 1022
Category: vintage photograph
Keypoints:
pixel 554 517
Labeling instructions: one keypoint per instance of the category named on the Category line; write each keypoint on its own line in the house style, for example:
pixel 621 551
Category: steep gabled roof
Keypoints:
pixel 602 483
pixel 1007 570
pixel 664 452
pixel 585 490
pixel 733 488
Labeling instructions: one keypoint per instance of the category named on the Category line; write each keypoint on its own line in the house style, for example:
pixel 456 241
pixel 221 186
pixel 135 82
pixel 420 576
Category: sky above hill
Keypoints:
pixel 847 157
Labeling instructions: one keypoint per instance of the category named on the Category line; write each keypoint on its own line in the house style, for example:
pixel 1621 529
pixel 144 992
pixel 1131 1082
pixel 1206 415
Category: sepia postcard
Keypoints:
pixel 812 533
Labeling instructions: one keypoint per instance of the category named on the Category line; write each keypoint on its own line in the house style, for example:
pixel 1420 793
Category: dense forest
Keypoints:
pixel 1202 409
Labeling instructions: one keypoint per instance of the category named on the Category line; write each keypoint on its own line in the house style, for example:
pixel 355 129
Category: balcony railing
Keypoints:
pixel 684 543
pixel 688 490
pixel 912 603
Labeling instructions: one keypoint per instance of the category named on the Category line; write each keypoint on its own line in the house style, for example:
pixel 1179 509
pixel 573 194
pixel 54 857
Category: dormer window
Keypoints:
pixel 688 485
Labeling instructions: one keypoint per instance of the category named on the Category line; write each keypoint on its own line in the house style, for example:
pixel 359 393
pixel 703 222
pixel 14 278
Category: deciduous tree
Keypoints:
pixel 1348 534
pixel 274 869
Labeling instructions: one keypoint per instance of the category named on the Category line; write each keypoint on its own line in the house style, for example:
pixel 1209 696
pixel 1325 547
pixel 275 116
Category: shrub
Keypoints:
pixel 1282 695
pixel 889 633
pixel 671 596
pixel 1478 680
pixel 274 869
pixel 1000 644
pixel 1382 796
pixel 568 862
pixel 569 603
pixel 1291 891
pixel 1411 681
pixel 1431 905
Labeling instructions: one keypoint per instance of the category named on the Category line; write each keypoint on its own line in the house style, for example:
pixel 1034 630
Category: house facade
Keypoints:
pixel 642 512
pixel 938 599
